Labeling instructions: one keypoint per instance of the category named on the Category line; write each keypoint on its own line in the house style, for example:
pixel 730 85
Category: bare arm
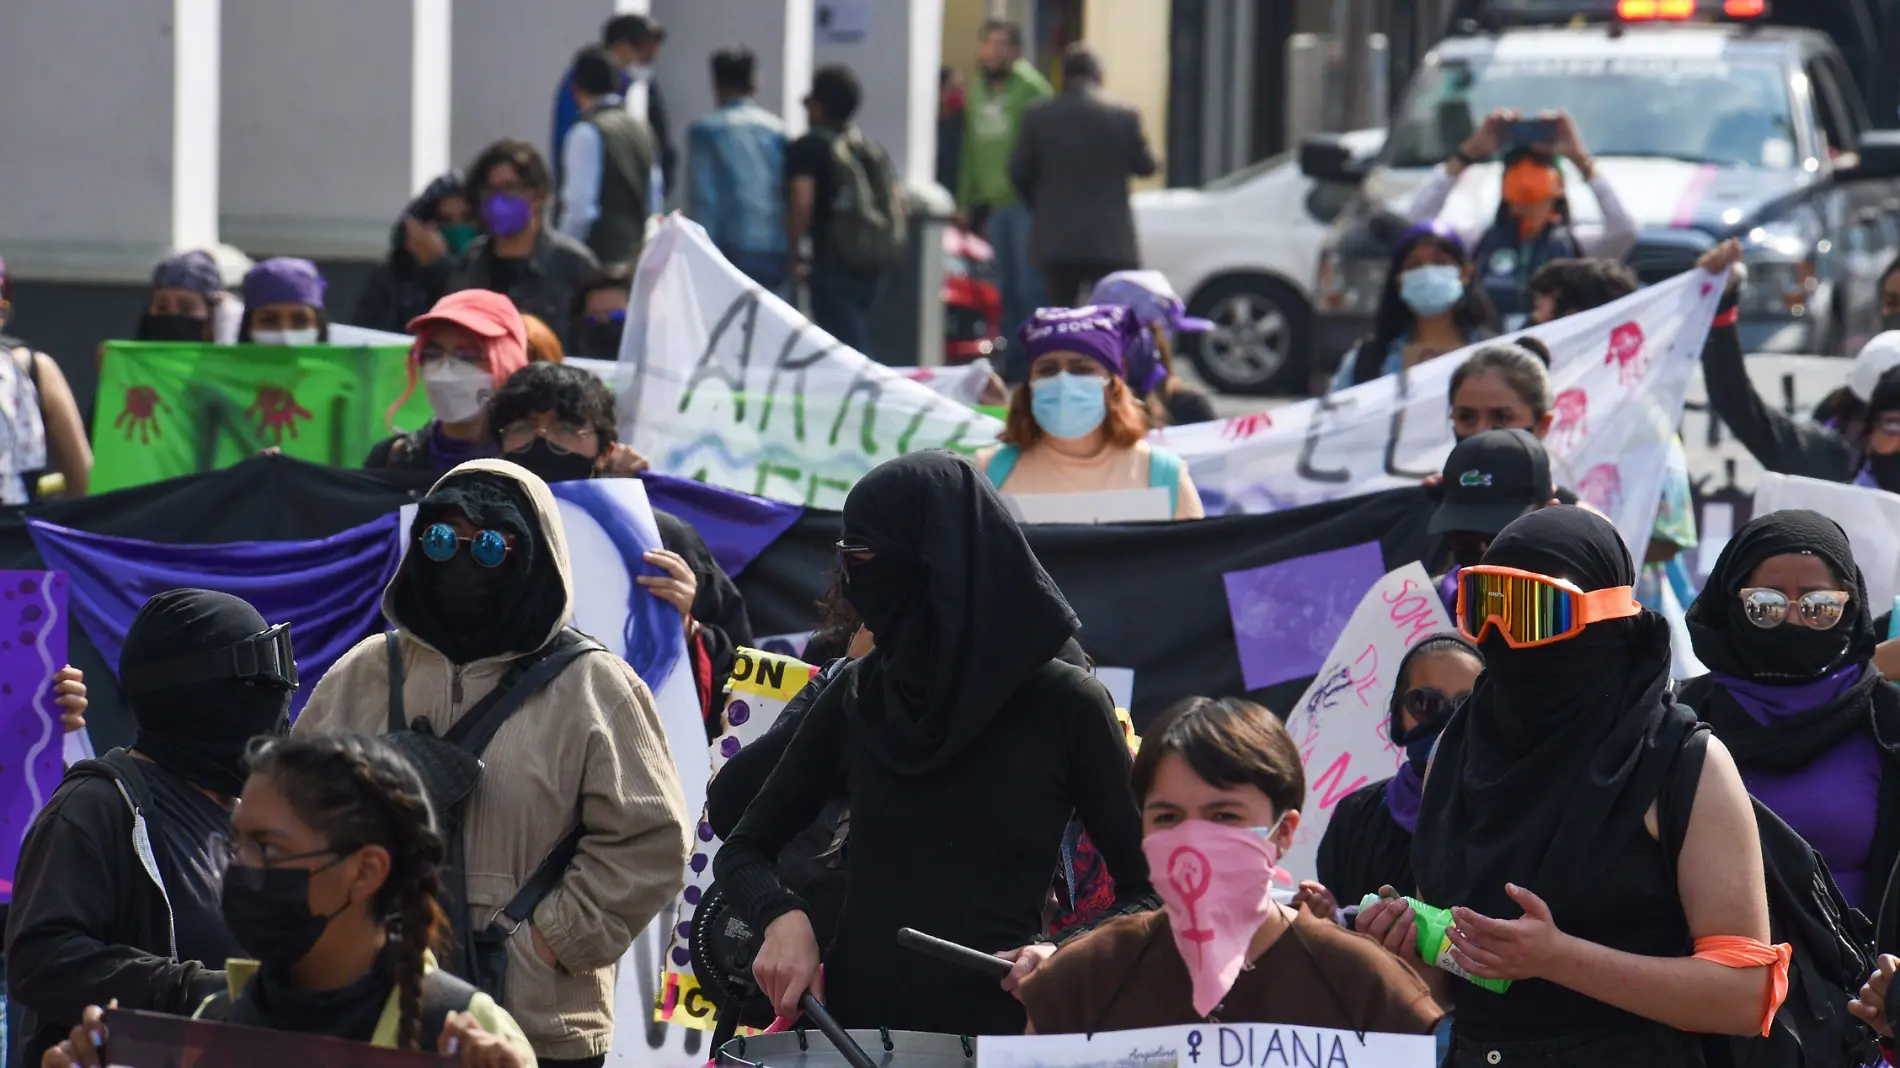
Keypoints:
pixel 66 443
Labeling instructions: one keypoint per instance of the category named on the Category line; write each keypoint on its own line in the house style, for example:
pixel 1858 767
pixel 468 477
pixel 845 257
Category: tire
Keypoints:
pixel 1259 344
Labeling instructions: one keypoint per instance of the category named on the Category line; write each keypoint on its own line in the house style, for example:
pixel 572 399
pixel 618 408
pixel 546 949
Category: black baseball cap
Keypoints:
pixel 1491 479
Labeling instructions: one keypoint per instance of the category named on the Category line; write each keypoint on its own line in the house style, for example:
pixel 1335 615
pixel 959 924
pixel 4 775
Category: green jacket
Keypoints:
pixel 990 121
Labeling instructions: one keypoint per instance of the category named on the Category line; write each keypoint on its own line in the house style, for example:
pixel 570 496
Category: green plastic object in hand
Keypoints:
pixel 1434 941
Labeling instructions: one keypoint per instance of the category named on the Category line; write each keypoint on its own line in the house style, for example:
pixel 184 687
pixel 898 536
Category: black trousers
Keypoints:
pixel 1067 285
pixel 584 1062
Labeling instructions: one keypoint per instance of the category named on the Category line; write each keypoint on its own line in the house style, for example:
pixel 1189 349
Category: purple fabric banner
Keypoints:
pixel 1288 615
pixel 736 526
pixel 32 650
pixel 329 590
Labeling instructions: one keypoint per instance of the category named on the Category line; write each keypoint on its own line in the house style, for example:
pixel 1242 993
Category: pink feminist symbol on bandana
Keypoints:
pixel 1189 872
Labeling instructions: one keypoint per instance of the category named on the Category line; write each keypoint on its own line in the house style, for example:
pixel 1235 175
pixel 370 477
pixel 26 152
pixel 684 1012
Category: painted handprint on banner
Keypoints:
pixel 140 413
pixel 1242 427
pixel 1626 352
pixel 275 411
pixel 1602 488
pixel 1572 409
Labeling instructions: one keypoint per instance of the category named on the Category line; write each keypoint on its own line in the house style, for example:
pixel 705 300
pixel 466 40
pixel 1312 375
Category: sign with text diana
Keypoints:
pixel 1210 1046
pixel 169 409
pixel 730 385
pixel 1618 376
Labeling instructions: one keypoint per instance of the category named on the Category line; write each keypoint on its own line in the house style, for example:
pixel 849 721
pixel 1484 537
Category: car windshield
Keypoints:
pixel 1733 113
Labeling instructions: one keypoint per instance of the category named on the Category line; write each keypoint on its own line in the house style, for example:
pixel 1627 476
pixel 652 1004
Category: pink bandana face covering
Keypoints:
pixel 1216 882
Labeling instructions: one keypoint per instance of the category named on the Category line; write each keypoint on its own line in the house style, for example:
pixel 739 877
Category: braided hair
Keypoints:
pixel 352 788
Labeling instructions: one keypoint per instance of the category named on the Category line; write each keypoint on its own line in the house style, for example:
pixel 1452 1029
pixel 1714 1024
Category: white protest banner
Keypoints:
pixel 1339 723
pixel 728 384
pixel 1618 374
pixel 762 684
pixel 1869 516
pixel 1210 1046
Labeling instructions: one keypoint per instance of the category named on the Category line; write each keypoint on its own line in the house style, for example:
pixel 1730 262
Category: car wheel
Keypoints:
pixel 1258 344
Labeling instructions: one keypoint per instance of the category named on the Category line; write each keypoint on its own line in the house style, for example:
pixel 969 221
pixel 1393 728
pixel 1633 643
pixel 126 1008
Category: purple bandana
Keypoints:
pixel 1402 793
pixel 283 280
pixel 1103 334
pixel 1766 703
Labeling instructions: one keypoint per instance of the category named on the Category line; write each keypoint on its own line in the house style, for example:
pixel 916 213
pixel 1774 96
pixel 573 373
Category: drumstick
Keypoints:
pixel 848 1047
pixel 910 938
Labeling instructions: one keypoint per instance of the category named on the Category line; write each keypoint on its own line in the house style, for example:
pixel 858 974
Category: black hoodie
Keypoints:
pixel 402 289
pixel 90 920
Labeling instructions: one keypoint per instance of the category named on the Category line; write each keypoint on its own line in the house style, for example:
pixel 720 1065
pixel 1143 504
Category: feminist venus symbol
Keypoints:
pixel 1190 873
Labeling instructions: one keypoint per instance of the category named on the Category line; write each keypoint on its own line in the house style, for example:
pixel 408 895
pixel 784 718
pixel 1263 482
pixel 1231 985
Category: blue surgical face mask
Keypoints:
pixel 1432 289
pixel 1069 406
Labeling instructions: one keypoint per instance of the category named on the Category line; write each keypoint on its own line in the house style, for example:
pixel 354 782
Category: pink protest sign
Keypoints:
pixel 32 650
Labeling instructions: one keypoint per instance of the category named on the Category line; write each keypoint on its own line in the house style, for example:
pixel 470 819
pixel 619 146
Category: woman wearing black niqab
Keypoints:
pixel 963 744
pixel 1793 693
pixel 1537 829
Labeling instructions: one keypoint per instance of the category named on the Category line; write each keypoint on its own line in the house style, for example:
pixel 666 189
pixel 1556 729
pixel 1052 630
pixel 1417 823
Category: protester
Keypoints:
pixel 1566 287
pixel 634 42
pixel 1169 400
pixel 607 165
pixel 588 746
pixel 116 893
pixel 1878 1004
pixel 1075 154
pixel 186 289
pixel 1427 308
pixel 433 230
pixel 1491 479
pixel 992 111
pixel 517 255
pixel 1787 633
pixel 283 304
pixel 1368 841
pixel 1533 223
pixel 1540 805
pixel 598 314
pixel 1221 786
pixel 735 172
pixel 558 422
pixel 465 348
pixel 817 167
pixel 1077 428
pixel 959 718
pixel 544 346
pixel 39 420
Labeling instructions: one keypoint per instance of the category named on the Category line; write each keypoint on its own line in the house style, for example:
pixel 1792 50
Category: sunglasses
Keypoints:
pixel 1426 705
pixel 439 543
pixel 1529 609
pixel 1818 610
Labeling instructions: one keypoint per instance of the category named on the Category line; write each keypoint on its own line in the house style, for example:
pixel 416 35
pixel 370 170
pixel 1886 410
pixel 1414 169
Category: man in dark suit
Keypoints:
pixel 1073 160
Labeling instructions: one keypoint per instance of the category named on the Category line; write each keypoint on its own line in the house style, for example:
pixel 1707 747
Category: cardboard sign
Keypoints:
pixel 151 1040
pixel 1340 721
pixel 32 650
pixel 1210 1046
pixel 1148 504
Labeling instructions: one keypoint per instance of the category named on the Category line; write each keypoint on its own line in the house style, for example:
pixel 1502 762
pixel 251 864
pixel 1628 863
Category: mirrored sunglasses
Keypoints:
pixel 1818 610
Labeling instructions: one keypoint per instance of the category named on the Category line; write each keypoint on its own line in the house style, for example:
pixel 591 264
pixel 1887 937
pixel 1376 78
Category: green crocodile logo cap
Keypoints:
pixel 1474 478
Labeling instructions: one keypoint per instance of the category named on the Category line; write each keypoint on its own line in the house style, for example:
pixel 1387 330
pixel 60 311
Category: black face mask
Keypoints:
pixel 1890 321
pixel 1796 654
pixel 601 341
pixel 464 592
pixel 171 328
pixel 1886 470
pixel 1466 547
pixel 268 912
pixel 552 464
pixel 882 590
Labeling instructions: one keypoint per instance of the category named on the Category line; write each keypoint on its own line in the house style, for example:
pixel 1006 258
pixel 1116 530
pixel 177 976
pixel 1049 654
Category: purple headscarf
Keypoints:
pixel 194 270
pixel 1154 303
pixel 283 280
pixel 1102 333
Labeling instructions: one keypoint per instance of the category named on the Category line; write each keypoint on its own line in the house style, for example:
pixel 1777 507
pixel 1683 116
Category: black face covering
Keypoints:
pixel 1418 741
pixel 1886 470
pixel 1550 765
pixel 198 730
pixel 171 328
pixel 961 609
pixel 1466 547
pixel 1890 321
pixel 552 464
pixel 601 341
pixel 268 912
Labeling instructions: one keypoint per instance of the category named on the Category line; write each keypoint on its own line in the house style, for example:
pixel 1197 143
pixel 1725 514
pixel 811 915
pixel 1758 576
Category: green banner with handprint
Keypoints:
pixel 168 409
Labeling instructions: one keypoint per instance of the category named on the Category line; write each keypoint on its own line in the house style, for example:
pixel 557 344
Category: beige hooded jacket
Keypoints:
pixel 587 748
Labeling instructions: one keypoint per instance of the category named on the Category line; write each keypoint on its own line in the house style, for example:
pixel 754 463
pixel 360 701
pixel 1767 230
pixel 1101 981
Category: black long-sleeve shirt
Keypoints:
pixel 1779 443
pixel 963 853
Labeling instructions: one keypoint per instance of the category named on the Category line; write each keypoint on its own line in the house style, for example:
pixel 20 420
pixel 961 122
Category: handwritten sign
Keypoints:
pixel 1210 1046
pixel 1619 374
pixel 762 685
pixel 728 384
pixel 1340 721
pixel 32 650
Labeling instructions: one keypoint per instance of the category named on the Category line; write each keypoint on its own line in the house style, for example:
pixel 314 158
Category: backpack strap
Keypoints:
pixel 542 883
pixel 473 732
pixel 1164 471
pixel 394 648
pixel 1002 464
pixel 442 993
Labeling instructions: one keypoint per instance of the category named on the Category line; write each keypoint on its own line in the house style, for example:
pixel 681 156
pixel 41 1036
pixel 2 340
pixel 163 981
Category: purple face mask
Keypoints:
pixel 506 214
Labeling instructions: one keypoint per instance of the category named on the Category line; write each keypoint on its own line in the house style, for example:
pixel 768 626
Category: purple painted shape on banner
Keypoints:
pixel 736 526
pixel 32 650
pixel 1287 615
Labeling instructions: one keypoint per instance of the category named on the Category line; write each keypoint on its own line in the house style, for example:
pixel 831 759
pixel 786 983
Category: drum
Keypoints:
pixel 887 1049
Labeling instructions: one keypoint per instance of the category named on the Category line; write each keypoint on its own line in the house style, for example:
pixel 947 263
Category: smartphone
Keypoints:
pixel 1523 133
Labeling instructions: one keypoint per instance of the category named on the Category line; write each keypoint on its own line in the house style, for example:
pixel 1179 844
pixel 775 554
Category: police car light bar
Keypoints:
pixel 1674 10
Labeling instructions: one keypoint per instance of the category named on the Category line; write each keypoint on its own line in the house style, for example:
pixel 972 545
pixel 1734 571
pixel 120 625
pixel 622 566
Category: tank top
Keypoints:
pixel 1164 471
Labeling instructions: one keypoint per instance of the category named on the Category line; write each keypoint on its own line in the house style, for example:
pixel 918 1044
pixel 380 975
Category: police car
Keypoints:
pixel 1710 119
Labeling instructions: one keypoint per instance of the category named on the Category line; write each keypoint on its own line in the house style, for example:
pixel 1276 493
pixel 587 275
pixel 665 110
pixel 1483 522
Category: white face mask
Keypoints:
pixel 458 391
pixel 285 337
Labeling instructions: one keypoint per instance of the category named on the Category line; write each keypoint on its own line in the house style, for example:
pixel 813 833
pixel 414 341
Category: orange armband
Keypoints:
pixel 1734 951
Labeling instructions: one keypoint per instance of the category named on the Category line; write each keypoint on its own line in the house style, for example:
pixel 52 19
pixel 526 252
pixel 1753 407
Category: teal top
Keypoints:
pixel 1164 470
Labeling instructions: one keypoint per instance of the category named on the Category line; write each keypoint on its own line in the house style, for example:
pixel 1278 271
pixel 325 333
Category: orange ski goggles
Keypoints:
pixel 1529 609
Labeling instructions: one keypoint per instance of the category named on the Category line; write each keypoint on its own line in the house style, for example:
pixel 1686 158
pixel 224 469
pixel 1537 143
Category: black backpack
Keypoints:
pixel 870 216
pixel 1833 943
pixel 451 766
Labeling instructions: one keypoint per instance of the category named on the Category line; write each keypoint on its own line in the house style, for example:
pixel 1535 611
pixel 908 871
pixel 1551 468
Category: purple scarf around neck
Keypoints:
pixel 1402 792
pixel 448 452
pixel 1766 703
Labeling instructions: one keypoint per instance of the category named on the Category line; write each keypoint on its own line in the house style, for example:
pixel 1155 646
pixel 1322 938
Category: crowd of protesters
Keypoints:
pixel 1577 862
